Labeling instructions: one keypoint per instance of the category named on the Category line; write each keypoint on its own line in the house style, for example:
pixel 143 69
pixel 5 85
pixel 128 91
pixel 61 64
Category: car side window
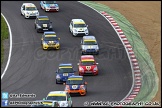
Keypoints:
pixel 23 7
pixel 71 23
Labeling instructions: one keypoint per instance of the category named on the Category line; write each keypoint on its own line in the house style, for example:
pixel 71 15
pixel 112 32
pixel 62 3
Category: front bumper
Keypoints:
pixel 81 92
pixel 51 47
pixel 52 9
pixel 31 16
pixel 61 80
pixel 80 33
pixel 88 73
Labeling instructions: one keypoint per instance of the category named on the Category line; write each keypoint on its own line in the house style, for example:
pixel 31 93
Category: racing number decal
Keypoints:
pixel 74 86
pixel 88 67
pixel 65 74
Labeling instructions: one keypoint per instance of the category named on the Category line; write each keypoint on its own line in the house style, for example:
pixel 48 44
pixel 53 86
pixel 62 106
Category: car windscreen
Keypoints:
pixel 57 98
pixel 90 43
pixel 50 2
pixel 74 82
pixel 79 25
pixel 50 38
pixel 44 21
pixel 30 8
pixel 65 70
pixel 86 63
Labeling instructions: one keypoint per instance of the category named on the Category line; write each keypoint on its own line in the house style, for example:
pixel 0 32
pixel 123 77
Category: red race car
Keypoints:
pixel 87 65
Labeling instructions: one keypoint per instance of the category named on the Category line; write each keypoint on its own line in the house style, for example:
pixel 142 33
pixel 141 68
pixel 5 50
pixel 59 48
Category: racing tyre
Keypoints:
pixel 56 81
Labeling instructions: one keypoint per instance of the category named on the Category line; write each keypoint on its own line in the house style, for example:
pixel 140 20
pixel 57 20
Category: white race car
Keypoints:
pixel 29 10
pixel 63 98
pixel 78 27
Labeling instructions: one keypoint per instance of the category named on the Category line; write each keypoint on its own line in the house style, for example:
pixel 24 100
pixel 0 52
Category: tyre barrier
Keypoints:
pixel 132 58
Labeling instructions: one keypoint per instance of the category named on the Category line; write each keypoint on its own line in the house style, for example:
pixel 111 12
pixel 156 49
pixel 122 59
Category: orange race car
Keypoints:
pixel 87 65
pixel 76 85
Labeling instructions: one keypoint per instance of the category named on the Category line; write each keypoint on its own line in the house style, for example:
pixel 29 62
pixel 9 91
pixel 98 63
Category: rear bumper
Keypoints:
pixel 81 92
pixel 90 52
pixel 42 30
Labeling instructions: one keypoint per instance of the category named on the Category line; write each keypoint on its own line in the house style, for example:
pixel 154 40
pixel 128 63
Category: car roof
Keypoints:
pixel 42 17
pixel 87 58
pixel 65 64
pixel 75 77
pixel 50 34
pixel 57 93
pixel 89 38
pixel 29 4
pixel 78 21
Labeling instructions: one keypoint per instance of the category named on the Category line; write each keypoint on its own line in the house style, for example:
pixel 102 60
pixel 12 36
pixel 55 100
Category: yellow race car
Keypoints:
pixel 50 40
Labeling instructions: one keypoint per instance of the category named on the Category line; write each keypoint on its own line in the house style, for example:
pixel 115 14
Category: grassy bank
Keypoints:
pixel 4 35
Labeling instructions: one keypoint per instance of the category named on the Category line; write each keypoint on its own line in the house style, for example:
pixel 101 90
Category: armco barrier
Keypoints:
pixel 132 58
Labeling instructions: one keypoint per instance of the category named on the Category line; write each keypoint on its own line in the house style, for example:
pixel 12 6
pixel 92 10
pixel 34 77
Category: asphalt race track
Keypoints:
pixel 32 70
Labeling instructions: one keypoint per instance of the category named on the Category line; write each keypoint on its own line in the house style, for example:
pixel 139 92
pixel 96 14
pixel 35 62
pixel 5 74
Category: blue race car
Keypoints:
pixel 63 72
pixel 49 6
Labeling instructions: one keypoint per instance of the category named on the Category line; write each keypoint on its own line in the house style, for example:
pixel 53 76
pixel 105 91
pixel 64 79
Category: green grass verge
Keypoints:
pixel 4 35
pixel 149 79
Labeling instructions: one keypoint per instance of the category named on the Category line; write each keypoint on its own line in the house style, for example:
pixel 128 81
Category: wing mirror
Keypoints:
pixel 85 83
pixel 97 63
pixel 44 98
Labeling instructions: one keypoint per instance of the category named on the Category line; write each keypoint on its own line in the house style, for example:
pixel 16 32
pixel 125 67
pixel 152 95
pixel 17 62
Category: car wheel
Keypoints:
pixel 40 6
pixel 56 81
pixel 21 14
pixel 72 105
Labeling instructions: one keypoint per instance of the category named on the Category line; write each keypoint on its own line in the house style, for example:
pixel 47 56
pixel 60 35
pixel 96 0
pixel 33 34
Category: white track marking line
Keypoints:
pixel 10 50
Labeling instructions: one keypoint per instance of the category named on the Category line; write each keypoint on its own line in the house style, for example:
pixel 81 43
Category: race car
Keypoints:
pixel 87 65
pixel 89 45
pixel 49 40
pixel 64 71
pixel 76 85
pixel 63 98
pixel 45 103
pixel 49 6
pixel 43 23
pixel 78 27
pixel 29 10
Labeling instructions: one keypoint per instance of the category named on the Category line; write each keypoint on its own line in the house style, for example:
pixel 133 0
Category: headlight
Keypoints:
pixel 75 30
pixel 82 88
pixel 57 44
pixel 86 30
pixel 38 26
pixel 81 69
pixel 64 104
pixel 95 69
pixel 66 87
pixel 58 77
pixel 50 26
pixel 44 43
